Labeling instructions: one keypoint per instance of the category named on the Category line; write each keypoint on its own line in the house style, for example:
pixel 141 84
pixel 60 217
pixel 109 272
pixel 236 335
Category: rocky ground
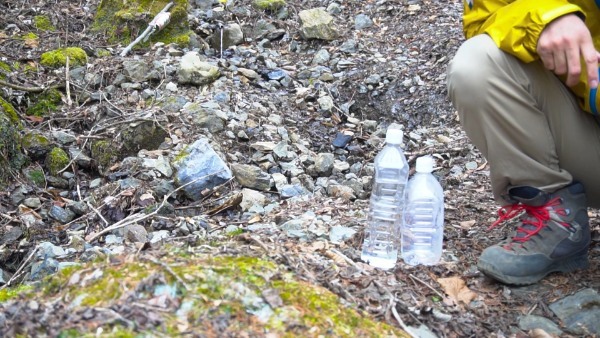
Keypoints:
pixel 256 139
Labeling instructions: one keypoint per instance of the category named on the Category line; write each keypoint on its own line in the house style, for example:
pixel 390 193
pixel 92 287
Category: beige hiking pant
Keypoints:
pixel 524 120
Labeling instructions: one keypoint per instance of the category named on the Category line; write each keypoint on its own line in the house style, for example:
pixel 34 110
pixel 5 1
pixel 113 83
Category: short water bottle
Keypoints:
pixel 384 219
pixel 423 230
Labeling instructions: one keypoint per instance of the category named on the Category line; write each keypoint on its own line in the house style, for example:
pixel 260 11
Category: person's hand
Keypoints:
pixel 563 44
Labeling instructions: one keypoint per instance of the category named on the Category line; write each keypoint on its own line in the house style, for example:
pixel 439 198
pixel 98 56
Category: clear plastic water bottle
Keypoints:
pixel 423 230
pixel 382 233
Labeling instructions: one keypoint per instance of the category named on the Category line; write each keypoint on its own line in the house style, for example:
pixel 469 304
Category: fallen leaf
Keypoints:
pixel 32 42
pixel 539 333
pixel 35 119
pixel 467 224
pixel 456 289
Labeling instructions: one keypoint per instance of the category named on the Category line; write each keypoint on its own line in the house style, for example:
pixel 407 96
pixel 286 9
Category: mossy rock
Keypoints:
pixel 36 145
pixel 144 135
pixel 58 58
pixel 104 153
pixel 7 109
pixel 12 157
pixel 56 160
pixel 221 296
pixel 43 23
pixel 269 5
pixel 35 175
pixel 123 21
pixel 45 103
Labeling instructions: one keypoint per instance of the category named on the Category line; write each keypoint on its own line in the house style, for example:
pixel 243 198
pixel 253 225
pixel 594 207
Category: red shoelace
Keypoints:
pixel 537 218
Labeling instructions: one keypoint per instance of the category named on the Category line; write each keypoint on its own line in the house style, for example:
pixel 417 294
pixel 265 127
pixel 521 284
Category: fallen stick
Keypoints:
pixel 159 21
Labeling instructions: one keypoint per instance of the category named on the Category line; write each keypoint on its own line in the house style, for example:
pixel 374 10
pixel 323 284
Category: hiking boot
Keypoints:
pixel 553 235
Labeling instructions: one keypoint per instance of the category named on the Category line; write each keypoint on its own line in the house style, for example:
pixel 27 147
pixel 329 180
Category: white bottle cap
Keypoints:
pixel 394 136
pixel 425 164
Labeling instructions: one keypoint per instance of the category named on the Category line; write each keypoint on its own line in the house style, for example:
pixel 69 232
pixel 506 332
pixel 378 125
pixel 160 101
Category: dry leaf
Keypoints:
pixel 32 42
pixel 232 202
pixel 467 224
pixel 457 290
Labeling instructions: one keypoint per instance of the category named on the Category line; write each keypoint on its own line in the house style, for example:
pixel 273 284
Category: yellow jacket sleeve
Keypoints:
pixel 515 25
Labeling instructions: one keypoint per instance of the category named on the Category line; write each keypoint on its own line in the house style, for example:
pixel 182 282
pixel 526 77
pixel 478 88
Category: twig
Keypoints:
pixel 139 217
pixel 427 285
pixel 18 272
pixel 68 89
pixel 169 270
pixel 400 322
pixel 28 89
pixel 347 259
pixel 146 32
pixel 97 212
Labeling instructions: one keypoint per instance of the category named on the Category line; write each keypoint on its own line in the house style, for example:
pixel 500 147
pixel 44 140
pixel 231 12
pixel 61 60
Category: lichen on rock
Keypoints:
pixel 123 21
pixel 45 103
pixel 269 4
pixel 58 58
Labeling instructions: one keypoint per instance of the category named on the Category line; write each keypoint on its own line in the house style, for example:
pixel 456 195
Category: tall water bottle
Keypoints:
pixel 382 233
pixel 423 230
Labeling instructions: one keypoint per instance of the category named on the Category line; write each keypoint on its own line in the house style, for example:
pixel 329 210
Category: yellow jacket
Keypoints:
pixel 515 26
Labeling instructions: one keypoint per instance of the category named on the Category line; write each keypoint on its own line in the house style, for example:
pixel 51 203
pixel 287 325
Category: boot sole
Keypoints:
pixel 569 264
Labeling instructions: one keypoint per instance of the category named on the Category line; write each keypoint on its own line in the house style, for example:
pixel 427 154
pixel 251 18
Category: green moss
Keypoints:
pixel 198 289
pixel 37 176
pixel 43 22
pixel 45 103
pixel 11 157
pixel 104 153
pixel 29 36
pixel 121 22
pixel 12 292
pixel 4 69
pixel 235 232
pixel 56 160
pixel 58 58
pixel 103 53
pixel 269 4
pixel 10 112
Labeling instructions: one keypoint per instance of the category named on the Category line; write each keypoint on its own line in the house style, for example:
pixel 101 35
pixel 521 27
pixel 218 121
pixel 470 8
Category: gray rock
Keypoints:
pixel 46 267
pixel 78 207
pixel 80 157
pixel 579 313
pixel 139 71
pixel 279 180
pixel 292 190
pixel 4 278
pixel 231 35
pixel 113 239
pixel 338 234
pixel 349 46
pixel 32 202
pixel 341 191
pixel 334 8
pixel 60 214
pixel 205 117
pixel 142 135
pixel 326 103
pixel 49 250
pixel 57 182
pixel 196 72
pixel 63 137
pixel 201 167
pixel 324 164
pixel 251 176
pixel 251 198
pixel 249 73
pixel 321 57
pixel 135 233
pixel 95 183
pixel 531 322
pixel 160 164
pixel 173 104
pixel 317 24
pixel 362 21
pixel 158 236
